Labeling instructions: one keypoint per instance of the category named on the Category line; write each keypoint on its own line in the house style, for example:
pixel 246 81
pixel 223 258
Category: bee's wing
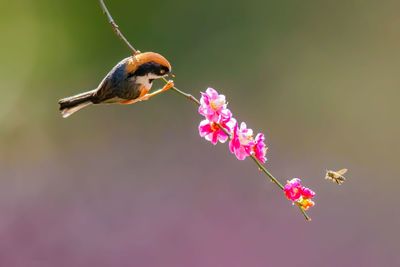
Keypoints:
pixel 342 171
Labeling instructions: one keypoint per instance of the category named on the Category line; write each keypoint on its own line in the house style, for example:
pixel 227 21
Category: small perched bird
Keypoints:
pixel 127 83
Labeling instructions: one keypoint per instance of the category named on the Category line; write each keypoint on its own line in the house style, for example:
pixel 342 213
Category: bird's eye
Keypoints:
pixel 162 71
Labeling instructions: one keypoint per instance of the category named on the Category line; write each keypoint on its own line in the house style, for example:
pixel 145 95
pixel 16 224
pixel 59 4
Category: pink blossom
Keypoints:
pixel 242 141
pixel 213 105
pixel 295 192
pixel 212 132
pixel 307 193
pixel 293 189
pixel 260 149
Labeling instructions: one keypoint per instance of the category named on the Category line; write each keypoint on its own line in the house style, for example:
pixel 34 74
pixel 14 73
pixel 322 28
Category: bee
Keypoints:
pixel 336 176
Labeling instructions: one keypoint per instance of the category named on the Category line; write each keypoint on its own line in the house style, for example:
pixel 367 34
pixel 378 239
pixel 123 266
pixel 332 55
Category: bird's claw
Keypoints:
pixel 144 98
pixel 168 85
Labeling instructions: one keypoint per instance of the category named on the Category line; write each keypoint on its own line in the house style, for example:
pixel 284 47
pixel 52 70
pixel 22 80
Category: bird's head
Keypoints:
pixel 152 65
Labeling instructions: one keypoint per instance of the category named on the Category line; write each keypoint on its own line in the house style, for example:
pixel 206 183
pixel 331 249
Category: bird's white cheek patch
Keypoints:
pixel 144 80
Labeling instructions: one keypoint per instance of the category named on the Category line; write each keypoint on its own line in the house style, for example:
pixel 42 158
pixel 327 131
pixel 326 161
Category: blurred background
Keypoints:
pixel 136 185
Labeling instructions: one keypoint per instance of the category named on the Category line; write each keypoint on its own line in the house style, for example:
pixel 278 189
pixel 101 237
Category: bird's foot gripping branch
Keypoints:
pixel 219 125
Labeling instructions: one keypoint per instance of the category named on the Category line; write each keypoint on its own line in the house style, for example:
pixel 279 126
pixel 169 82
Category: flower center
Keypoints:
pixel 245 139
pixel 217 103
pixel 214 126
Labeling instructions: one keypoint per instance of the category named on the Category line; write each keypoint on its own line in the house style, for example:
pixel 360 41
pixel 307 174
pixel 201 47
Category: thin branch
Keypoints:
pixel 256 161
pixel 274 180
pixel 135 51
pixel 188 96
pixel 264 170
pixel 116 28
pixel 308 218
pixel 191 98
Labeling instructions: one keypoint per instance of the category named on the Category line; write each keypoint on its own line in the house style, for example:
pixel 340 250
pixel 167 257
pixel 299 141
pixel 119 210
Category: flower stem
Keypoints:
pixel 257 162
pixel 264 170
pixel 188 96
pixel 308 218
pixel 274 180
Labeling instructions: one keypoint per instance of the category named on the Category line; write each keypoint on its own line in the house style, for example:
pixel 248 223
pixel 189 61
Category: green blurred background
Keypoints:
pixel 136 185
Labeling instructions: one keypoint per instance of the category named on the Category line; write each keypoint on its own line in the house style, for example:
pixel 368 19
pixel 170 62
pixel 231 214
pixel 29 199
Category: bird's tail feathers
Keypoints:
pixel 66 112
pixel 72 104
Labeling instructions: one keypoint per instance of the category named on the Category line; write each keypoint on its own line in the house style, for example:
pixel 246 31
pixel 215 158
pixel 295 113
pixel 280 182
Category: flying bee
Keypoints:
pixel 336 176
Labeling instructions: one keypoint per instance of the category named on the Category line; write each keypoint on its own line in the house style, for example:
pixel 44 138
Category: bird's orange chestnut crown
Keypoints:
pixel 146 57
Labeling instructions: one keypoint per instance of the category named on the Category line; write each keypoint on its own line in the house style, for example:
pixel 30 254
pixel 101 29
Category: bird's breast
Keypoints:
pixel 144 81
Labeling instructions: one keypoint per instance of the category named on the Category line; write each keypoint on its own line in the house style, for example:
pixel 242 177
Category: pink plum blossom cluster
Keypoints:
pixel 299 194
pixel 219 126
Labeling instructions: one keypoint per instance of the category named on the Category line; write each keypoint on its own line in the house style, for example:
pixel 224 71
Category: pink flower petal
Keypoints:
pixel 307 193
pixel 260 149
pixel 242 141
pixel 295 192
pixel 212 132
pixel 213 105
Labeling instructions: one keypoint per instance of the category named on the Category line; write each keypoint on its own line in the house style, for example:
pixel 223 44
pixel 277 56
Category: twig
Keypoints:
pixel 274 180
pixel 264 170
pixel 116 28
pixel 193 99
pixel 188 96
pixel 257 162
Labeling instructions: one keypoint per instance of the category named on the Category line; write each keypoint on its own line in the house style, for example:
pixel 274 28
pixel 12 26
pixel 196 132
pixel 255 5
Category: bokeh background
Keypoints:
pixel 136 185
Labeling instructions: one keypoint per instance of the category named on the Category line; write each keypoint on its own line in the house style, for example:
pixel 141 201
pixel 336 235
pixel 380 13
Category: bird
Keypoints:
pixel 128 82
